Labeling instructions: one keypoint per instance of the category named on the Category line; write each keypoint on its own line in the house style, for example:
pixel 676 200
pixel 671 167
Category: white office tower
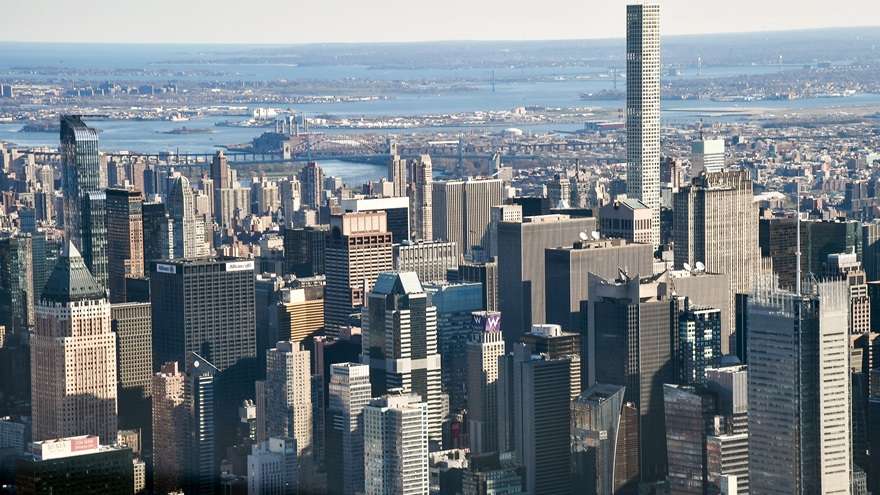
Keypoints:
pixel 271 467
pixel 643 109
pixel 707 156
pixel 485 346
pixel 344 428
pixel 399 328
pixel 799 391
pixel 396 446
pixel 420 200
pixel 285 408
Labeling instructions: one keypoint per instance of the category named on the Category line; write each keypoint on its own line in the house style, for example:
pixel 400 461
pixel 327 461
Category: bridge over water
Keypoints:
pixel 354 149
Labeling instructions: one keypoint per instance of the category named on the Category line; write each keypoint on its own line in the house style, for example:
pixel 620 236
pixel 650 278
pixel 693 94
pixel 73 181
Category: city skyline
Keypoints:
pixel 562 20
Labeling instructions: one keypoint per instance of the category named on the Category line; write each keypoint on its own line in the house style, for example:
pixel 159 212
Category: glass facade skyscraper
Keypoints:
pixel 80 172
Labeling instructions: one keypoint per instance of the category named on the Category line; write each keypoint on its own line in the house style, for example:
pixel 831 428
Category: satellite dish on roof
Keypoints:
pixel 700 266
pixel 596 235
pixel 687 266
pixel 583 236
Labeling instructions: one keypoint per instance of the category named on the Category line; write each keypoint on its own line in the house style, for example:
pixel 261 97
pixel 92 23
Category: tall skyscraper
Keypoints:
pixel 716 223
pixel 221 175
pixel 94 235
pixel 595 423
pixel 690 413
pixel 17 282
pixel 462 212
pixel 643 109
pixel 484 348
pixel 350 392
pixel 73 355
pixel 454 303
pixel 80 172
pixel 536 408
pixel 566 269
pixel 629 336
pixel 845 266
pixel 521 287
pixel 311 179
pixel 551 341
pixel 158 233
pixel 699 343
pixel 421 202
pixel 799 390
pixel 221 180
pixel 169 428
pixel 727 447
pixel 132 324
pixel 400 342
pixel 285 410
pixel 358 248
pixel 396 446
pixel 397 175
pixel 207 306
pixel 200 437
pixel 188 230
pixel 125 239
pixel 497 214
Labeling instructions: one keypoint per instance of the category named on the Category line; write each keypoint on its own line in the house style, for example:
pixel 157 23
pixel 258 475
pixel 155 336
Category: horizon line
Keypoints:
pixel 428 41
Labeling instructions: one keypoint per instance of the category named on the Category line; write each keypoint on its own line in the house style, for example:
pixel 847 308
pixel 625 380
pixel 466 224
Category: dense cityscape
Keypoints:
pixel 665 281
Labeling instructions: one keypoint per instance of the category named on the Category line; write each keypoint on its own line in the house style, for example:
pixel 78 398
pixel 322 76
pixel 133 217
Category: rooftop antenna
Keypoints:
pixel 596 236
pixel 583 236
pixel 700 127
pixel 798 227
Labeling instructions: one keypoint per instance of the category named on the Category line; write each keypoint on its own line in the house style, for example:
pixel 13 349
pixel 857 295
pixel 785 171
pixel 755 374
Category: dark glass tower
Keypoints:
pixel 629 342
pixel 200 473
pixel 80 172
pixel 207 306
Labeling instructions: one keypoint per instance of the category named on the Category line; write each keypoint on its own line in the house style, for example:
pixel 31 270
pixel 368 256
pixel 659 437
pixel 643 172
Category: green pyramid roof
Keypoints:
pixel 71 279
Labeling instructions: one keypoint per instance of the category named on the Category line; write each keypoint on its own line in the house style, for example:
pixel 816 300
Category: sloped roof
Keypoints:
pixel 409 283
pixel 71 279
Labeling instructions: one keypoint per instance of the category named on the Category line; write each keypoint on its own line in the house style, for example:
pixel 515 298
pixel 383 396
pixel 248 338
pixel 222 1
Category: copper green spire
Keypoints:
pixel 71 279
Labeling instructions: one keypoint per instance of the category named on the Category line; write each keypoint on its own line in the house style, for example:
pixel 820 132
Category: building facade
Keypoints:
pixel 73 355
pixel 643 109
pixel 400 342
pixel 799 392
pixel 350 392
pixel 396 446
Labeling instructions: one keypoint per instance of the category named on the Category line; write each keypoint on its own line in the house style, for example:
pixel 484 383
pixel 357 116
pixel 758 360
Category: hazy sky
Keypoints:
pixel 311 21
